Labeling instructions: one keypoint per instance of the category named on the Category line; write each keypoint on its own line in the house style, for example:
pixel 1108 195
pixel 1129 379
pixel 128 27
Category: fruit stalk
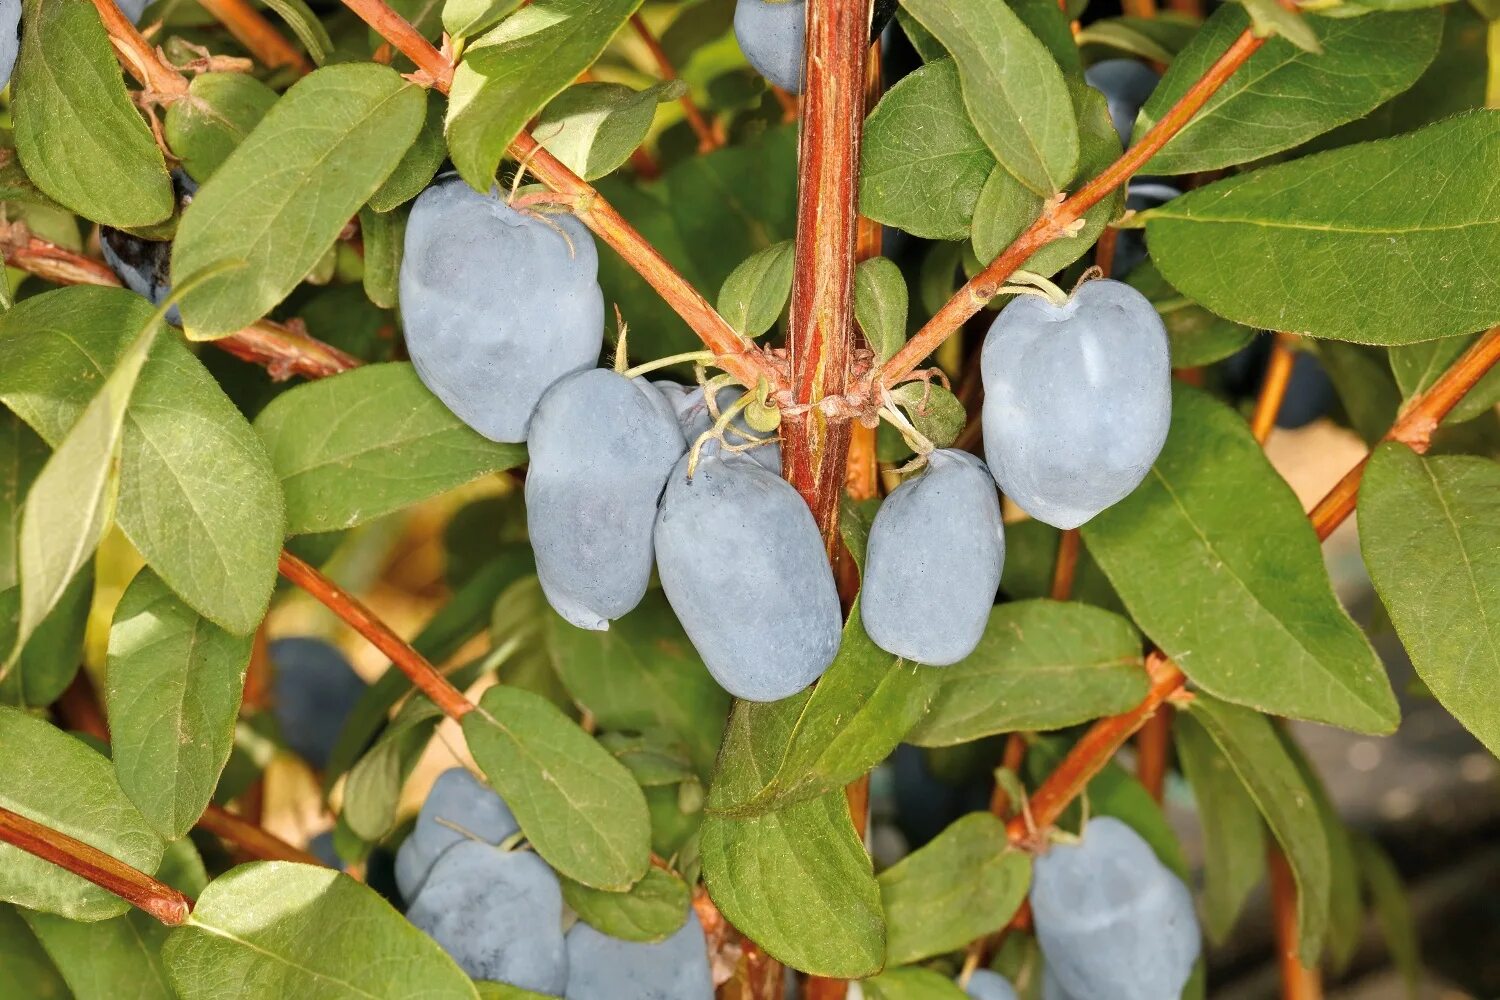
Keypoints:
pixel 259 37
pixel 820 336
pixel 1052 224
pixel 86 861
pixel 708 138
pixel 410 662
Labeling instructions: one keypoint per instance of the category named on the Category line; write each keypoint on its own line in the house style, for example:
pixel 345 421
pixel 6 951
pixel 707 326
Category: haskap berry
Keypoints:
pixel 601 967
pixel 498 914
pixel 1114 923
pixel 601 447
pixel 1126 84
pixel 145 266
pixel 10 38
pixel 773 37
pixel 313 691
pixel 933 561
pixel 497 304
pixel 743 565
pixel 459 807
pixel 1077 399
pixel 984 984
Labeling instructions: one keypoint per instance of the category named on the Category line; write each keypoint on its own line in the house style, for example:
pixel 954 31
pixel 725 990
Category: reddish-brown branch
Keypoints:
pixel 410 662
pixel 408 40
pixel 820 336
pixel 253 840
pixel 983 287
pixel 145 63
pixel 1273 386
pixel 708 137
pixel 109 873
pixel 1298 982
pixel 257 34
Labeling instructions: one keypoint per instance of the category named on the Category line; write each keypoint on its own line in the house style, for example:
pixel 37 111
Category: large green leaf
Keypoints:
pixel 1015 92
pixel 102 959
pixel 1431 539
pixel 1249 622
pixel 922 165
pixel 59 781
pixel 579 807
pixel 799 884
pixel 817 741
pixel 1234 839
pixel 652 910
pixel 25 969
pixel 1416 213
pixel 1282 95
pixel 370 441
pixel 78 136
pixel 1249 742
pixel 642 674
pixel 966 883
pixel 173 695
pixel 277 929
pixel 283 196
pixel 1040 665
pixel 197 495
pixel 509 73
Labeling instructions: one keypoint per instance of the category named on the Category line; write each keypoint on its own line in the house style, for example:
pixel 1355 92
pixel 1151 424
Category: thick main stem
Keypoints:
pixel 110 874
pixel 820 337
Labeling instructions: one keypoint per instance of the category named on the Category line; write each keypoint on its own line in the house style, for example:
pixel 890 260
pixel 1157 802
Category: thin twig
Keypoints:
pixel 1273 386
pixel 1066 567
pixel 358 617
pixel 1298 982
pixel 86 861
pixel 160 78
pixel 709 138
pixel 254 840
pixel 257 34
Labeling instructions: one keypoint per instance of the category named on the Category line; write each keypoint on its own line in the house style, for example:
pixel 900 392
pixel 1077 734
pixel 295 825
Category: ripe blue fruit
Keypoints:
pixel 1125 84
pixel 145 265
pixel 773 37
pixel 1113 922
pixel 601 448
pixel 497 305
pixel 695 417
pixel 601 967
pixel 314 690
pixel 742 563
pixel 498 914
pixel 133 9
pixel 933 562
pixel 458 809
pixel 10 37
pixel 986 985
pixel 1077 400
pixel 1130 244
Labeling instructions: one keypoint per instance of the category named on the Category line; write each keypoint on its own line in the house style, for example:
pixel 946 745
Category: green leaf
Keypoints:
pixel 652 910
pixel 799 884
pixel 756 291
pixel 594 127
pixel 1252 623
pixel 510 73
pixel 802 747
pixel 578 806
pixel 928 47
pixel 383 234
pixel 1283 95
pixel 505 991
pixel 965 883
pixel 1234 839
pixel 934 411
pixel 1346 915
pixel 1362 378
pixel 1270 19
pixel 1392 910
pixel 1040 665
pixel 1031 560
pixel 1196 336
pixel 922 164
pixel 219 111
pixel 306 26
pixel 1015 93
pixel 1252 747
pixel 420 162
pixel 369 441
pixel 281 221
pixel 1050 24
pixel 642 675
pixel 100 960
pixel 462 18
pixel 880 305
pixel 59 781
pixel 173 695
pixel 273 928
pixel 1006 207
pixel 78 136
pixel 197 495
pixel 1155 39
pixel 1417 366
pixel 52 655
pixel 25 969
pixel 911 983
pixel 1429 536
pixel 373 789
pixel 1422 241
